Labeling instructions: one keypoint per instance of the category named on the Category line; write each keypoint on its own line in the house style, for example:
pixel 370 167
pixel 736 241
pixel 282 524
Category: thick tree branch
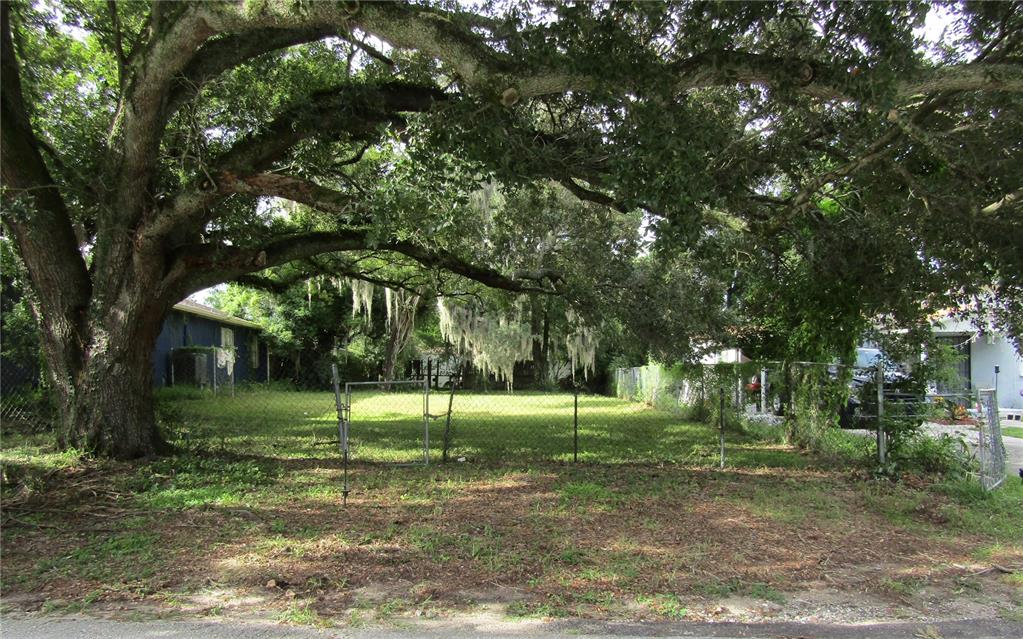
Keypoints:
pixel 590 195
pixel 371 51
pixel 217 56
pixel 1010 200
pixel 27 181
pixel 196 267
pixel 448 37
pixel 354 111
pixel 291 188
pixel 282 284
pixel 115 21
pixel 36 214
pixel 170 49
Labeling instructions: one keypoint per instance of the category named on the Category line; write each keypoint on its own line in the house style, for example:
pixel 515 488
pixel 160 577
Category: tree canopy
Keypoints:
pixel 799 166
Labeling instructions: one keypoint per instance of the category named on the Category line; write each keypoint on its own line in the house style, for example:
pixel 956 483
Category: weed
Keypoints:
pixel 665 604
pixel 584 493
pixel 553 607
pixel 302 614
pixel 572 556
pixel 765 592
pixel 904 587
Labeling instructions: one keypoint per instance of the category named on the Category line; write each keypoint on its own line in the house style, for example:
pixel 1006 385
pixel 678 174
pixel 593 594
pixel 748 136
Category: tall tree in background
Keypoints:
pixel 141 143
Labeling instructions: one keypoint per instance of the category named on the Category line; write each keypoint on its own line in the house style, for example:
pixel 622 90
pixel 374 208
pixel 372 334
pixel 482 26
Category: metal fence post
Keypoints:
pixel 721 426
pixel 763 390
pixel 426 423
pixel 991 451
pixel 447 423
pixel 882 444
pixel 342 429
pixel 575 426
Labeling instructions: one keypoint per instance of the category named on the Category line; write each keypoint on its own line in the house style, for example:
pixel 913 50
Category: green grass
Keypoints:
pixel 665 604
pixel 1013 431
pixel 255 495
pixel 388 427
pixel 301 614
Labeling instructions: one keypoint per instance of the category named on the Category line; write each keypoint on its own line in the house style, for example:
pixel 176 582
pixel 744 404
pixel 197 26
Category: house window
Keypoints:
pixel 254 352
pixel 226 337
pixel 961 380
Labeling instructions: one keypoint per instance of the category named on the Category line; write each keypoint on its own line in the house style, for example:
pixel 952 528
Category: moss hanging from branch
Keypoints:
pixel 493 345
pixel 401 319
pixel 362 298
pixel 581 346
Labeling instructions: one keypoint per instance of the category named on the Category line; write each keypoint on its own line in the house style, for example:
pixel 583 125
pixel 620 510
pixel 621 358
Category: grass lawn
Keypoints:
pixel 247 519
pixel 1013 431
pixel 388 427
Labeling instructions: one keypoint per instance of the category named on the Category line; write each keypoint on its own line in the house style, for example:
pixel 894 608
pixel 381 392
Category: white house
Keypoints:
pixel 990 360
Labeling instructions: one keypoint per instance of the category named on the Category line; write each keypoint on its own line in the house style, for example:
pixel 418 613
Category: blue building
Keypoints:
pixel 200 345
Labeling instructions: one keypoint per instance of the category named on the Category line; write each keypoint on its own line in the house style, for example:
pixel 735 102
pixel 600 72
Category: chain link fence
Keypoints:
pixel 24 400
pixel 991 449
pixel 652 414
pixel 909 424
pixel 411 422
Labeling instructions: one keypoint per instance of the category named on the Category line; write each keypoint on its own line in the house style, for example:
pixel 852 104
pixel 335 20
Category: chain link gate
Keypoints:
pixel 399 410
pixel 991 449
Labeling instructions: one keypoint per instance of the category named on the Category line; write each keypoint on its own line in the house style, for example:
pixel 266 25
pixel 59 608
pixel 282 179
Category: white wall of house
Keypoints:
pixel 724 356
pixel 987 350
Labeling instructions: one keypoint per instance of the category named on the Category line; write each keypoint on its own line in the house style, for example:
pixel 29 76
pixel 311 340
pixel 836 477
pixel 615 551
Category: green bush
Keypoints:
pixel 945 455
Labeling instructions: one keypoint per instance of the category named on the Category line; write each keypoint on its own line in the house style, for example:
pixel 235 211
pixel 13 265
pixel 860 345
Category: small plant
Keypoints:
pixel 765 592
pixel 302 614
pixel 904 587
pixel 666 605
pixel 957 412
pixel 553 607
pixel 944 455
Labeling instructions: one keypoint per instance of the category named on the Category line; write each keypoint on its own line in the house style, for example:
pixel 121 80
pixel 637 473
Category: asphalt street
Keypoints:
pixel 84 628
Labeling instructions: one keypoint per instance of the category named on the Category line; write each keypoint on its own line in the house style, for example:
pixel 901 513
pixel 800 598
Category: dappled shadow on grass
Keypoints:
pixel 553 531
pixel 646 512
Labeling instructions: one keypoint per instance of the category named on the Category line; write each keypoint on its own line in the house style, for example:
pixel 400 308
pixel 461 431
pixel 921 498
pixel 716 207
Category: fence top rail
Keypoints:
pixel 767 364
pixel 407 381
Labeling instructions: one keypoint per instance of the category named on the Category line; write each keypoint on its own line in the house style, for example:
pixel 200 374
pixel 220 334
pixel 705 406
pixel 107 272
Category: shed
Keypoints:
pixel 192 326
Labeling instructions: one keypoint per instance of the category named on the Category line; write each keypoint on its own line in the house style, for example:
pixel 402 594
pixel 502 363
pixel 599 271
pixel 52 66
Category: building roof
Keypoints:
pixel 195 308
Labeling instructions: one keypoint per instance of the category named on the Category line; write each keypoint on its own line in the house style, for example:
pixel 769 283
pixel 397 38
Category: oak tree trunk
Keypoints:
pixel 111 412
pixel 99 365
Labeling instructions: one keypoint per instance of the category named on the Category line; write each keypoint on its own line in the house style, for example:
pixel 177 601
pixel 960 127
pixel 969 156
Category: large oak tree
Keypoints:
pixel 141 143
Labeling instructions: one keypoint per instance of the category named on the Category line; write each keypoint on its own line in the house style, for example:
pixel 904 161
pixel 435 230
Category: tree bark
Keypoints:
pixel 391 352
pixel 105 400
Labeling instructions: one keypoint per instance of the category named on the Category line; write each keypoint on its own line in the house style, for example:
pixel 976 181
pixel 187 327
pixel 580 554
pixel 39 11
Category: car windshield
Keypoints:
pixel 866 357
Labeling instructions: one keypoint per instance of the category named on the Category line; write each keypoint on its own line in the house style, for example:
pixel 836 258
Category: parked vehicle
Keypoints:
pixel 860 411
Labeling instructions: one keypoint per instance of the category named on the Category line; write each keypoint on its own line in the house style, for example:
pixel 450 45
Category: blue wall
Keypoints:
pixel 185 329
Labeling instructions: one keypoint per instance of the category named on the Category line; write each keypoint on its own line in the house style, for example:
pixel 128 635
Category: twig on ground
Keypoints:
pixel 1000 569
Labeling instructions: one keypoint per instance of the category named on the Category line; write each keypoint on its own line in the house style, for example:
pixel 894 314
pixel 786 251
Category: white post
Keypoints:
pixel 426 423
pixel 881 443
pixel 763 390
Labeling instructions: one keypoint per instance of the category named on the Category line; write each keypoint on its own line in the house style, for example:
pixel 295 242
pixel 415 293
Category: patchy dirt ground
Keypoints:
pixel 598 542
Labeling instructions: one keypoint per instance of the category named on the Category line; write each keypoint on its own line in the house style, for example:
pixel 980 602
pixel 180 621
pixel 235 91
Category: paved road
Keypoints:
pixel 81 628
